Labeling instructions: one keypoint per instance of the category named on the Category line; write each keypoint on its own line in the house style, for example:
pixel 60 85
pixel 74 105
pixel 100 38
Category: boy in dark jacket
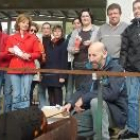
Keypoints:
pixel 85 100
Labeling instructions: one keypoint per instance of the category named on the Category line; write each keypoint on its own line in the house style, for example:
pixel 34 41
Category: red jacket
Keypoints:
pixel 4 61
pixel 28 44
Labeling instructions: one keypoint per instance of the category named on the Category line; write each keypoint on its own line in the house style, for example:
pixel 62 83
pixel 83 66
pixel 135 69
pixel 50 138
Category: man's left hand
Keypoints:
pixel 78 109
pixel 78 105
pixel 79 102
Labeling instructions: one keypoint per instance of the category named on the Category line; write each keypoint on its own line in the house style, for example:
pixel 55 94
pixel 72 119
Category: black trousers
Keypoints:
pixel 55 95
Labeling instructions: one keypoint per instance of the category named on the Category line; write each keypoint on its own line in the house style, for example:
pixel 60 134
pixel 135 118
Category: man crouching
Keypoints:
pixel 85 102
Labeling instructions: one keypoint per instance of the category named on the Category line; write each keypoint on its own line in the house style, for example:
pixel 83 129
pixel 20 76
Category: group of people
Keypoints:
pixel 112 47
pixel 25 50
pixel 115 47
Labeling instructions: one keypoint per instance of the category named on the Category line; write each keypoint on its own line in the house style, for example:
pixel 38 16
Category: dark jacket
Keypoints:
pixel 114 93
pixel 56 59
pixel 130 48
pixel 46 41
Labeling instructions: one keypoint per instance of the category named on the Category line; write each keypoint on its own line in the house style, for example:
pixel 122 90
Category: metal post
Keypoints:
pixel 64 26
pixel 9 26
pixel 99 110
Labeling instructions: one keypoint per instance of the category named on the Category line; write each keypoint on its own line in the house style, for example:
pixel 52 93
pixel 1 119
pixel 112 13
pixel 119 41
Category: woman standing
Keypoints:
pixel 5 82
pixel 56 59
pixel 46 30
pixel 37 77
pixel 24 49
pixel 80 41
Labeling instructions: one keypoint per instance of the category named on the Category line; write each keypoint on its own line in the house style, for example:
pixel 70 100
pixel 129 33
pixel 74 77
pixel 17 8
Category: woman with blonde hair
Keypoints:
pixel 24 49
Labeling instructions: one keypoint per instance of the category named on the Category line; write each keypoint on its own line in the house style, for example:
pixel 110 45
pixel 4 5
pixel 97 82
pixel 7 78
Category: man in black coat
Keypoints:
pixel 85 99
pixel 130 60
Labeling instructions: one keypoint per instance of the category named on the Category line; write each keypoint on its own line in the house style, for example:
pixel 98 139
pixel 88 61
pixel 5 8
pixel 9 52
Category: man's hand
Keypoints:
pixel 78 105
pixel 79 102
pixel 78 109
pixel 67 107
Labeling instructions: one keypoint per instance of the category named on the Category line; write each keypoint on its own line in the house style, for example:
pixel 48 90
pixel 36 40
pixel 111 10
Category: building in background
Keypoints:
pixel 127 15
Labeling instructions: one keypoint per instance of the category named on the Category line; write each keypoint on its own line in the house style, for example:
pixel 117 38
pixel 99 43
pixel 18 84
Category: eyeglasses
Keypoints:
pixel 32 30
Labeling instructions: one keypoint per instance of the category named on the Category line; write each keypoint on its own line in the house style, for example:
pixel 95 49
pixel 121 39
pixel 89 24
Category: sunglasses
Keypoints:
pixel 32 30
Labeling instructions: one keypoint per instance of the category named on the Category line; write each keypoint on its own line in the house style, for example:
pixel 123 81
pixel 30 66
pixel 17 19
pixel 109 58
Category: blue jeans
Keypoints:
pixel 133 91
pixel 69 88
pixel 43 97
pixel 5 81
pixel 21 90
pixel 1 83
pixel 1 78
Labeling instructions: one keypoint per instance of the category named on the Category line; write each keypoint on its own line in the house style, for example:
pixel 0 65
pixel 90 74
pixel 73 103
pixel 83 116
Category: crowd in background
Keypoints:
pixel 118 43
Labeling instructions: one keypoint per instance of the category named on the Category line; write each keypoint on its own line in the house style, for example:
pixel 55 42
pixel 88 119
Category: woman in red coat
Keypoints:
pixel 5 82
pixel 24 49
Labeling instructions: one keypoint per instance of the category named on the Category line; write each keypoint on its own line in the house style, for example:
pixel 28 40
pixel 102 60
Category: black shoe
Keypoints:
pixel 128 134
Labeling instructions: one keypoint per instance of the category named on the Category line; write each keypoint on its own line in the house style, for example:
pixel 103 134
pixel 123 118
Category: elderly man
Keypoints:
pixel 85 100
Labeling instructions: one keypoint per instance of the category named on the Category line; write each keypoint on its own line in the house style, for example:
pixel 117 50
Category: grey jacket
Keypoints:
pixel 70 48
pixel 111 37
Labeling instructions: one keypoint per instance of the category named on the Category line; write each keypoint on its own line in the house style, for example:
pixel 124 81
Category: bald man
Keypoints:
pixel 84 101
